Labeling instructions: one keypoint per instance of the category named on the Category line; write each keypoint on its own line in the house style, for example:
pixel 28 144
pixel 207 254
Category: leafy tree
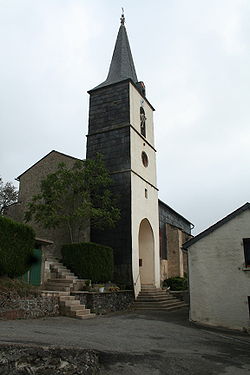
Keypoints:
pixel 8 195
pixel 74 197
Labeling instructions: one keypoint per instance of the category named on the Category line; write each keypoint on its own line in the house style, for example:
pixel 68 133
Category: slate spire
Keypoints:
pixel 122 65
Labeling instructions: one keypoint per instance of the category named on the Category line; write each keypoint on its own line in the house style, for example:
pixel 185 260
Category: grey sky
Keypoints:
pixel 194 58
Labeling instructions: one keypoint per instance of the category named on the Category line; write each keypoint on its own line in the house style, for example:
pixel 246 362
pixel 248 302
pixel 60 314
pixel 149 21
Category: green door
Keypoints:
pixel 33 276
pixel 35 270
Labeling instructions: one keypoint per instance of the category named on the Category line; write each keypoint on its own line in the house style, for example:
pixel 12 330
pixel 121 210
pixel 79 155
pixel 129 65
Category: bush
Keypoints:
pixel 176 283
pixel 16 247
pixel 89 261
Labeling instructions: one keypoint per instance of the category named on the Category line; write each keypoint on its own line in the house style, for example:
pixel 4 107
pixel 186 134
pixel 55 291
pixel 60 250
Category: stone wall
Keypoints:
pixel 30 182
pixel 182 295
pixel 22 359
pixel 102 303
pixel 177 259
pixel 15 307
pixel 109 134
pixel 174 231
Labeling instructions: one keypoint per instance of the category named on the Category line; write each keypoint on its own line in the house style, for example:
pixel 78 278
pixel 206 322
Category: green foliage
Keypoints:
pixel 89 261
pixel 16 247
pixel 176 283
pixel 73 197
pixel 8 195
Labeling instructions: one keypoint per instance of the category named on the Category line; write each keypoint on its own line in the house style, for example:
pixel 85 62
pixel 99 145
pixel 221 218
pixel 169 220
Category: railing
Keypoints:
pixel 137 279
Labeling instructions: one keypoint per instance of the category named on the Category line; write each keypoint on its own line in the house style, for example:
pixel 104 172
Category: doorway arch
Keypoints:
pixel 146 252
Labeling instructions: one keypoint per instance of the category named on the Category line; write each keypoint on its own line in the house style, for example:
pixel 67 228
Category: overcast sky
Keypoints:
pixel 194 58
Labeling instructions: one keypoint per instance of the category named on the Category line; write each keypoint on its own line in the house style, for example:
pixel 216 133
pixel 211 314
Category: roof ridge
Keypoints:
pixel 217 225
pixel 58 152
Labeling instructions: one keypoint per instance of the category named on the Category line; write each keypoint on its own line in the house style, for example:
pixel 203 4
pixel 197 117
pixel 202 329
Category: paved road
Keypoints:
pixel 131 343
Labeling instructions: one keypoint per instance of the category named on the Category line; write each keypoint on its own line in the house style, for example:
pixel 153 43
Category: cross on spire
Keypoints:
pixel 122 17
pixel 122 64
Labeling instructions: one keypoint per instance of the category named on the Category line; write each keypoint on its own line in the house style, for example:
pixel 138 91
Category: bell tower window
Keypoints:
pixel 143 122
pixel 144 158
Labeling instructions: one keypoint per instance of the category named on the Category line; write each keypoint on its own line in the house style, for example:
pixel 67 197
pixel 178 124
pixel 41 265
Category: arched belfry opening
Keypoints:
pixel 146 253
pixel 143 122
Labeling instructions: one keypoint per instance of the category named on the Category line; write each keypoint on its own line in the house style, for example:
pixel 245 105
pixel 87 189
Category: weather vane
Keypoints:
pixel 122 17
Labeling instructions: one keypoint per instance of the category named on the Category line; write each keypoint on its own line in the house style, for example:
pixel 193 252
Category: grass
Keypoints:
pixel 16 287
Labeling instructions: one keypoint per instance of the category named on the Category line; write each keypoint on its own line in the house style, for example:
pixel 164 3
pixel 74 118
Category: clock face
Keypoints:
pixel 144 158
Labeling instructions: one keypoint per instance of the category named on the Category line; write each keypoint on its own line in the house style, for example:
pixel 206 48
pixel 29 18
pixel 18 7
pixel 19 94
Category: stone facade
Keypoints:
pixel 109 134
pixel 219 281
pixel 174 231
pixel 29 185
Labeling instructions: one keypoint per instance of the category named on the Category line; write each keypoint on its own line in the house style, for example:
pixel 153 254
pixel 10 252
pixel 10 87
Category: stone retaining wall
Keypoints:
pixel 15 307
pixel 22 359
pixel 102 303
pixel 182 295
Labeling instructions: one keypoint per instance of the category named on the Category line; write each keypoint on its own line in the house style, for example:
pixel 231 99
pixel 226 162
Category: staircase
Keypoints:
pixel 152 298
pixel 60 285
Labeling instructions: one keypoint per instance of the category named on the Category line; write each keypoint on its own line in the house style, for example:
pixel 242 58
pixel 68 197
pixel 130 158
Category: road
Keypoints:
pixel 131 343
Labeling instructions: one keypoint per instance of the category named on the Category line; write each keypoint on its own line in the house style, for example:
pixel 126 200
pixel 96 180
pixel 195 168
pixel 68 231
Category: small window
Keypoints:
pixel 144 158
pixel 143 122
pixel 146 193
pixel 246 244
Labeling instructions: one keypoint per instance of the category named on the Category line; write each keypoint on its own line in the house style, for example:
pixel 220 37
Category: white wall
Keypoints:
pixel 143 178
pixel 218 285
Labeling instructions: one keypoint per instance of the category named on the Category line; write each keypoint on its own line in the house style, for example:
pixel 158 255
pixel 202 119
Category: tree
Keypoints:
pixel 8 195
pixel 74 197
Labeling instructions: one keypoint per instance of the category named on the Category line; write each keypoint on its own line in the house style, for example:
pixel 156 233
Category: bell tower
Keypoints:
pixel 121 129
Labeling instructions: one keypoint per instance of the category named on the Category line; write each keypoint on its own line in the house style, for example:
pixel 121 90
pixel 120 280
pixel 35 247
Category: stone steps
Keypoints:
pixel 60 286
pixel 156 300
pixel 67 298
pixel 151 298
pixel 55 293
pixel 71 302
pixel 75 310
pixel 158 304
pixel 169 308
pixel 59 281
pixel 61 271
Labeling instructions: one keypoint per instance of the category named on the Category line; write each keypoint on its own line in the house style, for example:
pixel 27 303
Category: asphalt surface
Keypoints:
pixel 148 342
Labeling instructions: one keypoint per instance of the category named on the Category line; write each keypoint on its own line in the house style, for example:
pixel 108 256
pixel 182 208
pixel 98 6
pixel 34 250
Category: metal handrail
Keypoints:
pixel 137 278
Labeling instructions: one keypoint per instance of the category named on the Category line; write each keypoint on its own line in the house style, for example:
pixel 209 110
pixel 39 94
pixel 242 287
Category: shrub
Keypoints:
pixel 16 247
pixel 176 283
pixel 89 261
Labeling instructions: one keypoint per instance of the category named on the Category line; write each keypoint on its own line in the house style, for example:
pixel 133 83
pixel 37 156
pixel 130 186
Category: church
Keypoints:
pixel 148 239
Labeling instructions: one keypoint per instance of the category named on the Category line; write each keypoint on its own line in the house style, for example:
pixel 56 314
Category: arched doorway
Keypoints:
pixel 146 252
